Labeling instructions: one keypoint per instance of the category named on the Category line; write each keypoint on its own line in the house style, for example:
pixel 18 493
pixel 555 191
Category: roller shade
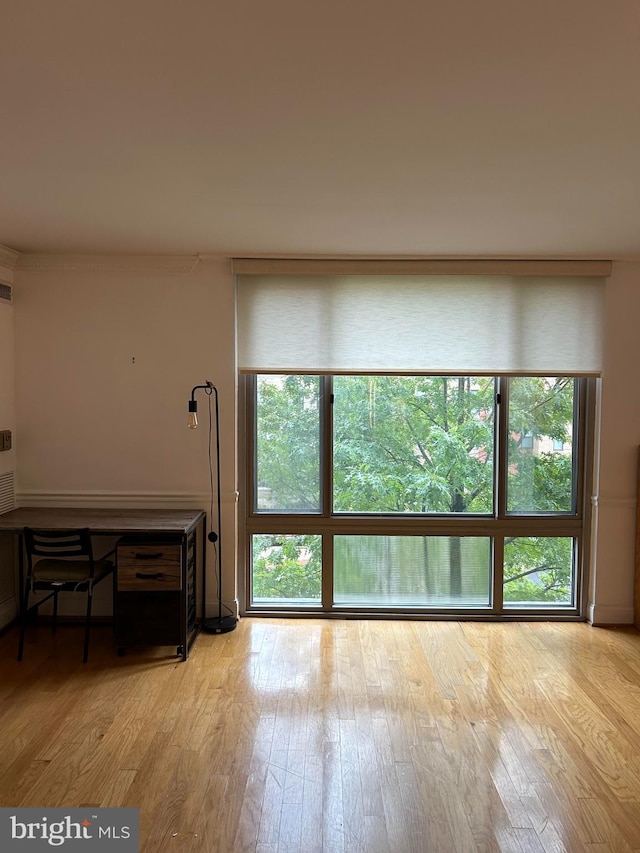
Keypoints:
pixel 467 324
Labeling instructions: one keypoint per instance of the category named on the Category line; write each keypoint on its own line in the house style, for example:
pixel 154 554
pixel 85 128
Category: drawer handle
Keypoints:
pixel 157 556
pixel 149 576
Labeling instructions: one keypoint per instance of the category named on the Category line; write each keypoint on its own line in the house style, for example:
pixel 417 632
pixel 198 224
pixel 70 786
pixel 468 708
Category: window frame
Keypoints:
pixel 499 526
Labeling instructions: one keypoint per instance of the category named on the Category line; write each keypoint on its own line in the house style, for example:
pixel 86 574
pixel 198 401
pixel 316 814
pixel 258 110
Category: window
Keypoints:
pixel 386 493
pixel 417 434
pixel 412 571
pixel 413 444
pixel 526 441
pixel 541 413
pixel 288 444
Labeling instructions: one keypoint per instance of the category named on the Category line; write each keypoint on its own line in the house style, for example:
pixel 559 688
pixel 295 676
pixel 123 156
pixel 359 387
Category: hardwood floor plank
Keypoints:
pixel 337 736
pixel 333 820
pixel 251 807
pixel 312 805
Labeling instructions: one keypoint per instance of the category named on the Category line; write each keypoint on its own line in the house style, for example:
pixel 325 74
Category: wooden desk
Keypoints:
pixel 148 525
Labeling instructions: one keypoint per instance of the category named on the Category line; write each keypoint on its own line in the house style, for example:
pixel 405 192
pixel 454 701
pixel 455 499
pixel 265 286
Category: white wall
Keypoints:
pixel 93 424
pixel 7 380
pixel 8 458
pixel 106 356
pixel 612 582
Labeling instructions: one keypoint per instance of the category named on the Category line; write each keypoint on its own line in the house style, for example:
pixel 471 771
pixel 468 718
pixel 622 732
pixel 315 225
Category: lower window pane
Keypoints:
pixel 286 570
pixel 412 571
pixel 538 572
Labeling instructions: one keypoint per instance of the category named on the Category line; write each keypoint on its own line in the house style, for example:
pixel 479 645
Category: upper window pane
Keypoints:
pixel 540 450
pixel 288 444
pixel 413 444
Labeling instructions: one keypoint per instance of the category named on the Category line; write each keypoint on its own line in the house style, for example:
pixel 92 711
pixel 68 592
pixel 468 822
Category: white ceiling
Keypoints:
pixel 321 127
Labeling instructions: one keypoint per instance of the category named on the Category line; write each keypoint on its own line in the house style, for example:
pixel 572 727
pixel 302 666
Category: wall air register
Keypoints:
pixel 7 493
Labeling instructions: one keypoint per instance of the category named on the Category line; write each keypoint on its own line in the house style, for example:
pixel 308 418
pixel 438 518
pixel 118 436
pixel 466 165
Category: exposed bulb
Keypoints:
pixel 192 420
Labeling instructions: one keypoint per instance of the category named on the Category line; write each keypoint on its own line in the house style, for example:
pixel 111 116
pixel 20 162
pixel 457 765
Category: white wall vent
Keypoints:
pixel 5 291
pixel 7 492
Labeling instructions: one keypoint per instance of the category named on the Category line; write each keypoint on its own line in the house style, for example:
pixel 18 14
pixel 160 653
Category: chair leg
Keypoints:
pixel 85 657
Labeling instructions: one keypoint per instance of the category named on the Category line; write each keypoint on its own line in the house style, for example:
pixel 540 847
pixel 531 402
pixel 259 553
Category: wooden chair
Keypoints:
pixel 64 563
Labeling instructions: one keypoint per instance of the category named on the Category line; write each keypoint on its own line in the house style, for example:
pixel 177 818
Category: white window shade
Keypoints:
pixel 466 324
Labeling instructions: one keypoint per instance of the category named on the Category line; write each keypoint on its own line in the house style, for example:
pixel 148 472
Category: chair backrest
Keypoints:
pixel 58 543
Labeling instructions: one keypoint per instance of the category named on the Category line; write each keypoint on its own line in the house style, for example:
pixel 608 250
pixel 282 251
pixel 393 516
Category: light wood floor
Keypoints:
pixel 295 735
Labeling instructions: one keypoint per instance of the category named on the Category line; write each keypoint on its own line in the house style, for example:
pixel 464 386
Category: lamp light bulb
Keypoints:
pixel 192 421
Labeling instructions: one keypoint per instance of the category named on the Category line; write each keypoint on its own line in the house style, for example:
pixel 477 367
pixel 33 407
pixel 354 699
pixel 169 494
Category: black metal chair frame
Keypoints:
pixel 58 547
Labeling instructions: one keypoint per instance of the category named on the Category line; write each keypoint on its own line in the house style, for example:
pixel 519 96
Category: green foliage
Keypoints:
pixel 288 443
pixel 538 569
pixel 541 410
pixel 287 567
pixel 415 445
pixel 542 406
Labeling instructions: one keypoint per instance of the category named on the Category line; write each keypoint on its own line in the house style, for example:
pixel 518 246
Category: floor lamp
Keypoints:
pixel 218 624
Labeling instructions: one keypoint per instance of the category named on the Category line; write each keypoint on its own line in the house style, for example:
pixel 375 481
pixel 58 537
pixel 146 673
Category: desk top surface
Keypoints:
pixel 102 520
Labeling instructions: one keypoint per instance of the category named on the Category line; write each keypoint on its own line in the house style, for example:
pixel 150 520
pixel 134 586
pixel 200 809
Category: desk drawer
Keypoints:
pixel 149 566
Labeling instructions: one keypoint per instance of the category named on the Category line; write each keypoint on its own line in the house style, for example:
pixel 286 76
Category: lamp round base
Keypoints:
pixel 219 624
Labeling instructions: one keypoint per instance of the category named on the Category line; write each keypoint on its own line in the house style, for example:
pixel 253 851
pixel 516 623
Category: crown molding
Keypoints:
pixel 176 264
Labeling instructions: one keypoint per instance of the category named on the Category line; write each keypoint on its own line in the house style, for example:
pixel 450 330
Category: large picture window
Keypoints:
pixel 387 493
pixel 417 435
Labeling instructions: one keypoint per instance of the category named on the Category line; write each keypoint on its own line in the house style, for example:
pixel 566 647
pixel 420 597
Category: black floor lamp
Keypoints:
pixel 218 624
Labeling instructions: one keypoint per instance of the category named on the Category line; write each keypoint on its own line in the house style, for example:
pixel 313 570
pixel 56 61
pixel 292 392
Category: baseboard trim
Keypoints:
pixel 603 615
